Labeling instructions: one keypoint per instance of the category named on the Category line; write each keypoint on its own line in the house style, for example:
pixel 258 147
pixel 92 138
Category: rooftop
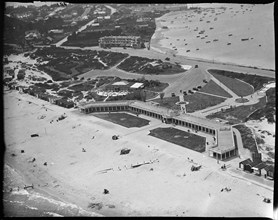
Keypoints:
pixel 137 85
pixel 225 140
pixel 260 166
pixel 120 37
pixel 97 104
pixel 120 83
pixel 200 121
pixel 247 161
pixel 153 108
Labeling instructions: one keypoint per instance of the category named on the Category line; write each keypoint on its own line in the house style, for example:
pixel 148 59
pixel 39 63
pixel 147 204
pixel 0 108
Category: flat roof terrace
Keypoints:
pixel 200 121
pixel 153 108
pixel 103 104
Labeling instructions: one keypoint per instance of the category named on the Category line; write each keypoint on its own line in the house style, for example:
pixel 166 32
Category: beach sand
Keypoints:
pixel 73 177
pixel 220 27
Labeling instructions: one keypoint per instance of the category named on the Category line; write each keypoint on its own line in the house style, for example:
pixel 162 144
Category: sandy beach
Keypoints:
pixel 216 34
pixel 164 187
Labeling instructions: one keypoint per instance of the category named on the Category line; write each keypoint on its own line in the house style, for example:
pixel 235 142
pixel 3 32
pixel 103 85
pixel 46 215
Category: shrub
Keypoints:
pixel 20 75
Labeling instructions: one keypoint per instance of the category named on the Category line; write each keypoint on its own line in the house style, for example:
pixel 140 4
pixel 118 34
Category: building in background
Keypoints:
pixel 120 41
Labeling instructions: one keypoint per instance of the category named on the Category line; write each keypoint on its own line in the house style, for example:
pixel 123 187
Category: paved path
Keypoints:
pixel 223 86
pixel 113 10
pixel 243 152
pixel 253 99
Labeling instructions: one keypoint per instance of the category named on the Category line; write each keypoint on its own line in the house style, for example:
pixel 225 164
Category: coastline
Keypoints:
pixel 159 43
pixel 71 179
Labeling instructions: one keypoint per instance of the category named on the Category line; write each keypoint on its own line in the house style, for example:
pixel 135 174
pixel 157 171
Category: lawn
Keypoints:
pixel 197 101
pixel 212 88
pixel 247 138
pixel 256 81
pixel 179 137
pixel 238 114
pixel 144 65
pixel 238 87
pixel 66 63
pixel 124 119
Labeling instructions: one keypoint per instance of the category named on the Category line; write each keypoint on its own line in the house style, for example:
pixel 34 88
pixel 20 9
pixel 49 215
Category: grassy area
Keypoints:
pixel 238 114
pixel 197 101
pixel 86 86
pixel 179 137
pixel 247 138
pixel 124 119
pixel 256 81
pixel 238 87
pixel 144 65
pixel 67 63
pixel 168 102
pixel 212 88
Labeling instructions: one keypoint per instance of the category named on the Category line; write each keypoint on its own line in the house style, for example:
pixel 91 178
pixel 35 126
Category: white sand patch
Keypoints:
pixel 186 67
pixel 107 93
pixel 265 131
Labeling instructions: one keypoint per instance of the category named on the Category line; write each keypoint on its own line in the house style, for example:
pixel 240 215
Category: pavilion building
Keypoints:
pixel 224 148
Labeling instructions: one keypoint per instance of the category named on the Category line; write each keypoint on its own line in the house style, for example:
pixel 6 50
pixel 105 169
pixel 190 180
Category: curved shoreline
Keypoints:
pixel 156 45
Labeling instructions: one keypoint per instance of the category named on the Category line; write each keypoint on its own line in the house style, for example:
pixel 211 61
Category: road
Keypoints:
pixel 182 81
pixel 113 10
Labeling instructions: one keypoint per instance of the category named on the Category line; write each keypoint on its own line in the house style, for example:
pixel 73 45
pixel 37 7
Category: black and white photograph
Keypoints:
pixel 139 109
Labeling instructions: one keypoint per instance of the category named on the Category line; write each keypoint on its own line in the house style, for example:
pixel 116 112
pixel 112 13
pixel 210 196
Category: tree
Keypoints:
pixel 20 75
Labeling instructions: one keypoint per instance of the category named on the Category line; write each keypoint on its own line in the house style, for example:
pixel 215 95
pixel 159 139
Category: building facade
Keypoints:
pixel 120 41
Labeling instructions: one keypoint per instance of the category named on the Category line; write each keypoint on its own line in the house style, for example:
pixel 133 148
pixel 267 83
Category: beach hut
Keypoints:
pixel 268 171
pixel 243 163
pixel 258 168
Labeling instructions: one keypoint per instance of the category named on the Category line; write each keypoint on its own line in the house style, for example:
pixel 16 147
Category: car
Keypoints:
pixel 196 66
pixel 189 91
pixel 205 81
pixel 184 93
pixel 173 94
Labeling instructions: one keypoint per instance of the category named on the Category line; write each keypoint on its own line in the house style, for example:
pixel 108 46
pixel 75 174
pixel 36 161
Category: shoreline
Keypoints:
pixel 158 36
pixel 75 172
pixel 44 186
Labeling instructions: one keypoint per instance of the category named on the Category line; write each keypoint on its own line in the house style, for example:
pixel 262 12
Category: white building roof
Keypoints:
pixel 120 83
pixel 186 67
pixel 137 85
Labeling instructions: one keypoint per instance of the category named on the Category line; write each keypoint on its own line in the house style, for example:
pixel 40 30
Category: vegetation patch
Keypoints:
pixel 256 81
pixel 67 63
pixel 196 102
pixel 247 137
pixel 124 119
pixel 212 88
pixel 86 86
pixel 238 114
pixel 144 65
pixel 238 87
pixel 179 137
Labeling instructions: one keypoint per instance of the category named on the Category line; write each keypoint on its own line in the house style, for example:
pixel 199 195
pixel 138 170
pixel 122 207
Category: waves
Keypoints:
pixel 24 203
